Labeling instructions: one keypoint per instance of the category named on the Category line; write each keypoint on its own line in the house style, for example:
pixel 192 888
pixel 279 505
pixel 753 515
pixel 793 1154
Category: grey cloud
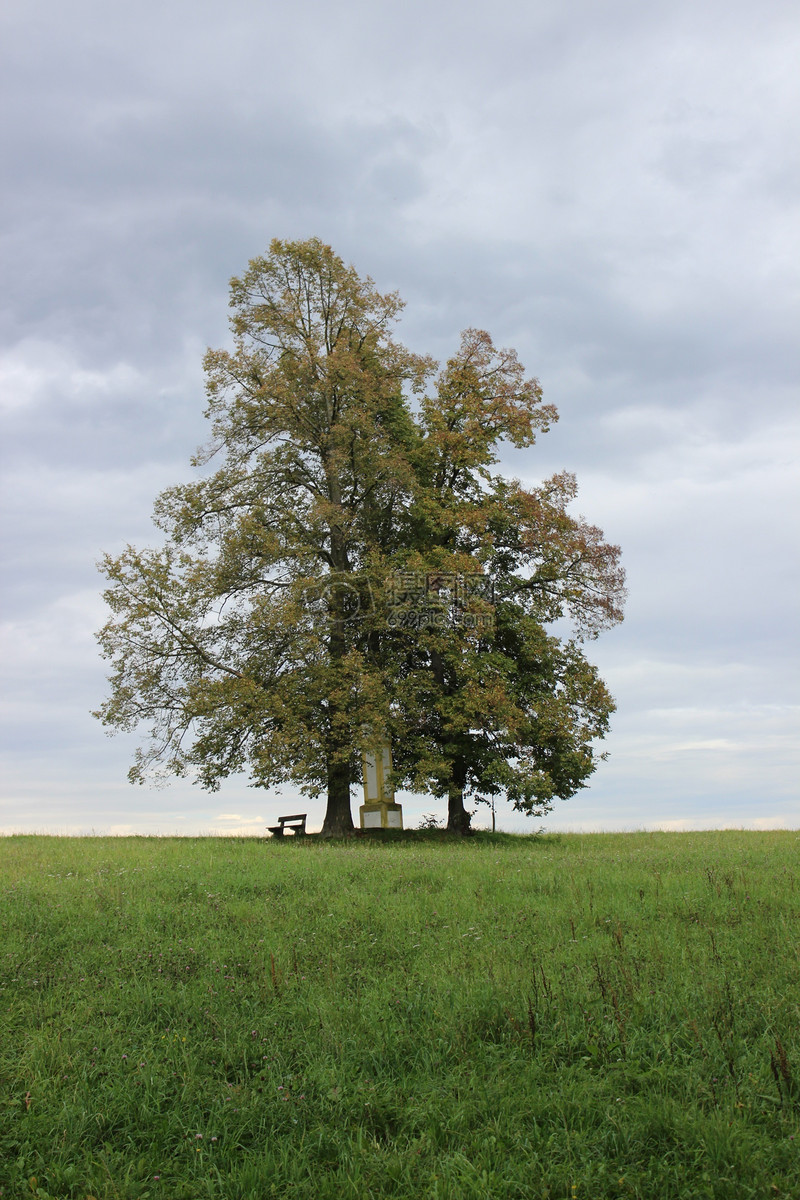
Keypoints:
pixel 609 189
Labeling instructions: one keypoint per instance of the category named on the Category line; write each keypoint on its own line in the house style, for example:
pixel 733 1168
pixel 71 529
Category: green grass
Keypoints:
pixel 565 1016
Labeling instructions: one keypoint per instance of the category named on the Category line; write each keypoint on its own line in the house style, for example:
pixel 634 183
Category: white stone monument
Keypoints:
pixel 379 810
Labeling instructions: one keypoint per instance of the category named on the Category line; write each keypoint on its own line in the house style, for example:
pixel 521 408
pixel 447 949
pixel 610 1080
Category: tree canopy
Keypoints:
pixel 351 567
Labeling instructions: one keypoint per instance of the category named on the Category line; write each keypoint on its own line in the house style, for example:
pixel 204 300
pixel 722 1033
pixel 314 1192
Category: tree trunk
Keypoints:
pixel 457 816
pixel 338 818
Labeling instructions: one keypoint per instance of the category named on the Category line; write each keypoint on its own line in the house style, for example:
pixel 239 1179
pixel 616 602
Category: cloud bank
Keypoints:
pixel 611 191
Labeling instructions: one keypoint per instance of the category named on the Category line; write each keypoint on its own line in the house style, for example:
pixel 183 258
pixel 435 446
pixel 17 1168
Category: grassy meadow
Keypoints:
pixel 580 1017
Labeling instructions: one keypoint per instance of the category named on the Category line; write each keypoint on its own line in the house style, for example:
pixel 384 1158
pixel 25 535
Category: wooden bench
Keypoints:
pixel 297 823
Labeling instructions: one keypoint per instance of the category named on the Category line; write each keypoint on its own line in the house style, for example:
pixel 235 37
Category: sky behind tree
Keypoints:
pixel 610 189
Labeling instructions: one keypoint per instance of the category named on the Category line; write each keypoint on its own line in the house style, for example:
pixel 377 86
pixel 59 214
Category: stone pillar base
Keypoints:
pixel 381 816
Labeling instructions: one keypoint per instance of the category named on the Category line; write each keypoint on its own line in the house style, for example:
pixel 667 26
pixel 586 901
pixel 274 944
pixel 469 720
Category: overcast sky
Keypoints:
pixel 611 188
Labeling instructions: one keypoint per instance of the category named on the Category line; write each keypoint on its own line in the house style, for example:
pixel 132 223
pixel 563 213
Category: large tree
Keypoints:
pixel 487 702
pixel 238 639
pixel 263 634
